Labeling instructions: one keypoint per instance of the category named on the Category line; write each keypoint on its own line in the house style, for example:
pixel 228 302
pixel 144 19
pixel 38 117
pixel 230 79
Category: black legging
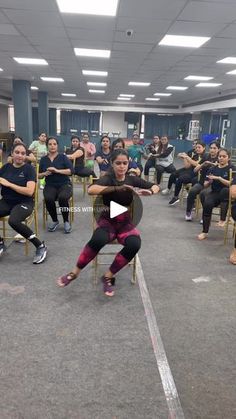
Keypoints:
pixel 150 163
pixel 160 170
pixel 17 214
pixel 211 200
pixel 62 194
pixel 180 177
pixel 233 213
pixel 192 194
pixel 84 172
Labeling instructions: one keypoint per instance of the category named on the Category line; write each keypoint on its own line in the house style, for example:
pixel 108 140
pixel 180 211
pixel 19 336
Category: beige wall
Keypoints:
pixel 114 122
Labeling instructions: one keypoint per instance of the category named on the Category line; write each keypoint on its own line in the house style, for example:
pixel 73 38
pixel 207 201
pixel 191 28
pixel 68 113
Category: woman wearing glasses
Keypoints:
pixel 114 186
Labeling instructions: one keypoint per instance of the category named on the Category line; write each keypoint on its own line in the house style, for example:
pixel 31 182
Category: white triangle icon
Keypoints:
pixel 116 209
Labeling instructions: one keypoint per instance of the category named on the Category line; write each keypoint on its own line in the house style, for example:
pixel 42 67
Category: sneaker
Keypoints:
pixel 201 221
pixel 53 226
pixel 165 191
pixel 188 216
pixel 40 254
pixel 41 187
pixel 174 200
pixel 2 248
pixel 67 227
pixel 19 238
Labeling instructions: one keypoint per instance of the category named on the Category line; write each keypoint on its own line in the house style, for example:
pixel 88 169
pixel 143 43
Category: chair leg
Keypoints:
pixel 95 269
pixel 133 279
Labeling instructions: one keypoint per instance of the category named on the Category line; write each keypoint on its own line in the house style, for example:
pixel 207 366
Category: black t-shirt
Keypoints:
pixel 61 161
pixel 223 172
pixel 79 161
pixel 205 169
pixel 19 176
pixel 124 197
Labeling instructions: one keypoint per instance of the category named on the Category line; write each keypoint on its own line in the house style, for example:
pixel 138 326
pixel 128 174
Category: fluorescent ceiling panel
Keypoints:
pixel 95 73
pixel 89 7
pixel 68 94
pixel 162 94
pixel 227 60
pixel 152 98
pixel 126 95
pixel 1 69
pixel 124 98
pixel 184 41
pixel 208 84
pixel 86 52
pixel 56 79
pixel 137 83
pixel 231 72
pixel 177 88
pixel 96 91
pixel 34 88
pixel 94 83
pixel 30 61
pixel 202 78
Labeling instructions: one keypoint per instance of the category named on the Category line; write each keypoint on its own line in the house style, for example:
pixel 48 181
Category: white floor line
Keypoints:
pixel 171 394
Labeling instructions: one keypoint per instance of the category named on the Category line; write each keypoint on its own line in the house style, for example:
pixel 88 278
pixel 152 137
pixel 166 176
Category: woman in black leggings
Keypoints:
pixel 56 168
pixel 18 181
pixel 218 180
pixel 76 154
pixel 114 186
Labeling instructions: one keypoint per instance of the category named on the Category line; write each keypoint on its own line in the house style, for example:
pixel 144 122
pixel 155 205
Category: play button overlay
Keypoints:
pixel 122 206
pixel 116 209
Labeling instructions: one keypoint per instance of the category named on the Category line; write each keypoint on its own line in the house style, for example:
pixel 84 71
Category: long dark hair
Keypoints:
pixel 162 147
pixel 52 138
pixel 17 145
pixel 117 141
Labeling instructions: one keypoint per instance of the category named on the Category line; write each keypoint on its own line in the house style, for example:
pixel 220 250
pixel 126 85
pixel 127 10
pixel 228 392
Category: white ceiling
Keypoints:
pixel 36 29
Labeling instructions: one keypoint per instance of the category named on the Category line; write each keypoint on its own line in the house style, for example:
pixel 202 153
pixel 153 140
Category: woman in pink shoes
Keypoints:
pixel 218 180
pixel 114 186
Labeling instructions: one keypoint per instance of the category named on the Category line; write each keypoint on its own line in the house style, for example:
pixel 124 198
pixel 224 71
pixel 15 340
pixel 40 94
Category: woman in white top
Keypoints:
pixel 165 158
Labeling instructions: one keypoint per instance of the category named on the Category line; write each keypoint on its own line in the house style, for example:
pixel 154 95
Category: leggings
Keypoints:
pixel 62 194
pixel 180 177
pixel 211 200
pixel 100 238
pixel 17 214
pixel 84 172
pixel 149 164
pixel 233 213
pixel 160 170
pixel 193 192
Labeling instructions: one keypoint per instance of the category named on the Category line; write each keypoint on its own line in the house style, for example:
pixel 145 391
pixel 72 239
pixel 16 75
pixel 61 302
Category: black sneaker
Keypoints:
pixel 174 201
pixel 2 248
pixel 40 254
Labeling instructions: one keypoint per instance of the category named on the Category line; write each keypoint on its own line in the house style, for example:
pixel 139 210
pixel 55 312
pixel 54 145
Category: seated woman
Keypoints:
pixel 56 168
pixel 136 151
pixel 202 169
pixel 164 159
pixel 29 158
pixel 116 186
pixel 39 148
pixel 76 155
pixel 150 155
pixel 103 155
pixel 18 181
pixel 232 258
pixel 186 174
pixel 90 151
pixel 133 169
pixel 218 180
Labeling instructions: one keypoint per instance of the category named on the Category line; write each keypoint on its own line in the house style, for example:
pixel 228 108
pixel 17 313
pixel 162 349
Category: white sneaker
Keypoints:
pixel 41 187
pixel 188 216
pixel 19 238
pixel 165 191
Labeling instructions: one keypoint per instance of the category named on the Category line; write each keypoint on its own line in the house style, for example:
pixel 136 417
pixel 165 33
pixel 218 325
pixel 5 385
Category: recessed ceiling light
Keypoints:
pixel 162 94
pixel 198 78
pixel 57 79
pixel 68 94
pixel 94 73
pixel 231 72
pixel 126 95
pixel 184 41
pixel 208 84
pixel 96 91
pixel 1 69
pixel 34 88
pixel 152 98
pixel 176 88
pixel 89 7
pixel 137 83
pixel 94 83
pixel 124 98
pixel 31 61
pixel 227 60
pixel 99 53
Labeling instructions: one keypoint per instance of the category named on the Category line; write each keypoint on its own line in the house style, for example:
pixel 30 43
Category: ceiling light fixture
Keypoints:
pixel 86 52
pixel 126 95
pixel 124 98
pixel 176 88
pixel 184 41
pixel 94 83
pixel 89 7
pixel 227 60
pixel 138 83
pixel 233 72
pixel 198 78
pixel 95 73
pixel 152 98
pixel 68 94
pixel 30 61
pixel 96 91
pixel 34 88
pixel 162 94
pixel 56 79
pixel 208 84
